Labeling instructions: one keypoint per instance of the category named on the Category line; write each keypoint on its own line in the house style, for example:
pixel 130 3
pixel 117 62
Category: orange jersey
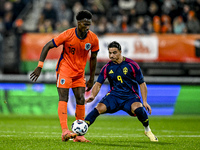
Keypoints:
pixel 75 51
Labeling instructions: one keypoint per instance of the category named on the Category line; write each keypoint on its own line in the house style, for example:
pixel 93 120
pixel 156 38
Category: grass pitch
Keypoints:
pixel 107 133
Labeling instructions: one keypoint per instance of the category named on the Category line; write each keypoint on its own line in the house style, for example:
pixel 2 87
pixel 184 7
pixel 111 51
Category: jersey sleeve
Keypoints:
pixel 60 39
pixel 103 75
pixel 139 76
pixel 137 73
pixel 95 46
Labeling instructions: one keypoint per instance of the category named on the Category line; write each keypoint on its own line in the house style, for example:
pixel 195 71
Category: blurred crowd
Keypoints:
pixel 111 16
pixel 9 11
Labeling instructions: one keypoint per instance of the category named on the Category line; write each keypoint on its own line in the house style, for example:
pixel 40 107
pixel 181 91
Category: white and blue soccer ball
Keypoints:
pixel 79 127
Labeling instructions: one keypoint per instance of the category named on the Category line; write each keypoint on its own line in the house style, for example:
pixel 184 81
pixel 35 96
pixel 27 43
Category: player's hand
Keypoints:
pixel 147 107
pixel 89 85
pixel 35 74
pixel 89 99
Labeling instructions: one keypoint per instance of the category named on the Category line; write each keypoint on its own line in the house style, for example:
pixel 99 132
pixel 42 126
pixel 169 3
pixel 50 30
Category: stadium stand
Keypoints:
pixel 141 17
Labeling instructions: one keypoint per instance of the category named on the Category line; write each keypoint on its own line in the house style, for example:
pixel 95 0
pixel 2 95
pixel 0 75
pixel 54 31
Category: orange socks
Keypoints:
pixel 62 114
pixel 80 112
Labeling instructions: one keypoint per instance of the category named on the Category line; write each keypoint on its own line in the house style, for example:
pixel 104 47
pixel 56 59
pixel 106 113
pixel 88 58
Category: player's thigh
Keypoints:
pixel 132 104
pixel 64 81
pixel 79 81
pixel 111 103
pixel 79 93
pixel 63 94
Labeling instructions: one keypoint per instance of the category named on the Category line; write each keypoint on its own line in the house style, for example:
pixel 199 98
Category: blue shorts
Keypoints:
pixel 114 103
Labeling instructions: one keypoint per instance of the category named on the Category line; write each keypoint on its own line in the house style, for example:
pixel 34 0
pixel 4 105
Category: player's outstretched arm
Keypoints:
pixel 95 90
pixel 93 62
pixel 143 89
pixel 36 73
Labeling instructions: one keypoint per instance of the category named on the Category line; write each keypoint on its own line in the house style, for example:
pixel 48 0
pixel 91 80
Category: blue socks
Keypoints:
pixel 142 116
pixel 90 118
pixel 140 112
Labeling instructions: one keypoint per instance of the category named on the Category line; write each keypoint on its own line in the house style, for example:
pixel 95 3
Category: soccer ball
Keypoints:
pixel 79 127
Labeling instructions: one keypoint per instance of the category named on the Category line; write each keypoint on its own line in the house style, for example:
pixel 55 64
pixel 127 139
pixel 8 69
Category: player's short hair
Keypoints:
pixel 84 14
pixel 115 44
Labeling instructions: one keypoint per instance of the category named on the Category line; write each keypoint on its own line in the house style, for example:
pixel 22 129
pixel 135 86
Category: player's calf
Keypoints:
pixel 90 118
pixel 142 116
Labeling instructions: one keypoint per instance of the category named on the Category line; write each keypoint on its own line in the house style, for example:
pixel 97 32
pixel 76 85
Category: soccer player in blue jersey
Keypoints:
pixel 124 76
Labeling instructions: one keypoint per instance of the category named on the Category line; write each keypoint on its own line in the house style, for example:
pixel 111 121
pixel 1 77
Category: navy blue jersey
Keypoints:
pixel 123 78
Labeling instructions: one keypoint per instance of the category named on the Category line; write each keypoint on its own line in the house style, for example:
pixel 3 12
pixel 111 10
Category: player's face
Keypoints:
pixel 114 54
pixel 84 26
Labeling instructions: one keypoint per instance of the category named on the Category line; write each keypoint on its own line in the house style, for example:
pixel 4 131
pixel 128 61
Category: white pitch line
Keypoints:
pixel 165 131
pixel 109 129
pixel 30 132
pixel 32 126
pixel 157 136
pixel 179 136
pixel 113 136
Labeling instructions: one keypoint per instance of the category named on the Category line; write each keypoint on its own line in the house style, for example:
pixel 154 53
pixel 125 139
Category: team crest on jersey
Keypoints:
pixel 62 81
pixel 125 70
pixel 87 46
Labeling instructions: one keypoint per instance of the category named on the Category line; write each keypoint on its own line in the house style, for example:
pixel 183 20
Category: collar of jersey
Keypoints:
pixel 78 36
pixel 124 59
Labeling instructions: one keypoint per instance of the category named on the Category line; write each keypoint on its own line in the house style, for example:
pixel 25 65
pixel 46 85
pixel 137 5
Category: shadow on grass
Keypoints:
pixel 120 145
pixel 156 143
pixel 128 144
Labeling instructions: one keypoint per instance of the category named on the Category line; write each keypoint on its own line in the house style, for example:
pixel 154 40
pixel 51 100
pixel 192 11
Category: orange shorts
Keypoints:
pixel 70 82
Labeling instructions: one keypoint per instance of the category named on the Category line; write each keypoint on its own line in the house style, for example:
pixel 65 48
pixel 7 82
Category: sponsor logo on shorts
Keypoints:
pixel 62 81
pixel 107 94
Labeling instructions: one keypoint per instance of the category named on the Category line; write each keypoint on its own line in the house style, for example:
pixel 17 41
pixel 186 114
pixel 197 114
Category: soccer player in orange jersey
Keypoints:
pixel 77 42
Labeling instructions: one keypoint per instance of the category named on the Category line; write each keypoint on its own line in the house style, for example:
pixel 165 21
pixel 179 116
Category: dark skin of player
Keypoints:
pixel 82 29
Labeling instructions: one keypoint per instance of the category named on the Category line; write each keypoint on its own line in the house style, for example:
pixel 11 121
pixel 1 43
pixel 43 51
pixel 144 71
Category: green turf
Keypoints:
pixel 107 133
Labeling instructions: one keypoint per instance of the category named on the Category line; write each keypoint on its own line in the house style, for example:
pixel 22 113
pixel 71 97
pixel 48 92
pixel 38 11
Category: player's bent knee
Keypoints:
pixel 80 101
pixel 101 108
pixel 135 105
